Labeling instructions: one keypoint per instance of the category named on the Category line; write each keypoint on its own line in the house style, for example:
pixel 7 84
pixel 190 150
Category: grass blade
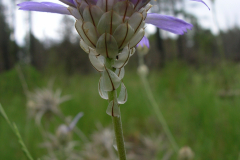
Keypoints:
pixel 16 132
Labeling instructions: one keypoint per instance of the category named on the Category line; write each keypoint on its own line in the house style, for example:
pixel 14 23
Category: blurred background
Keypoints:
pixel 194 78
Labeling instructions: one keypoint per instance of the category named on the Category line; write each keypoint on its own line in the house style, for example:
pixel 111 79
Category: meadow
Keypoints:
pixel 201 106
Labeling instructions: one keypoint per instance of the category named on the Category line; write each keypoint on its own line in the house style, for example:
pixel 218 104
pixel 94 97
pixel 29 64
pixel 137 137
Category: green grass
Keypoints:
pixel 188 98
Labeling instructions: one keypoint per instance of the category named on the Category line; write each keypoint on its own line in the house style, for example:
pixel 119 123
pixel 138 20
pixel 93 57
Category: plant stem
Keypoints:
pixel 159 113
pixel 16 132
pixel 117 125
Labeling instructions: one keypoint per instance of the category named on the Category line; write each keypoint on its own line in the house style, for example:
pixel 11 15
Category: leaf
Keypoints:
pixel 16 132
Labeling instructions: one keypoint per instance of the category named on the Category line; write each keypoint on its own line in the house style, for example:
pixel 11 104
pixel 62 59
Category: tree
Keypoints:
pixel 4 40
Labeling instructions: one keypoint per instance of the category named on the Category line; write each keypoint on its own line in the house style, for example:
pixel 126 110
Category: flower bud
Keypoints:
pixel 143 70
pixel 63 134
pixel 109 31
pixel 108 27
pixel 185 153
pixel 142 50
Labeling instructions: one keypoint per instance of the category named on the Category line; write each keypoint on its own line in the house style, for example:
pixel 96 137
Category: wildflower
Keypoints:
pixel 143 46
pixel 45 102
pixel 64 131
pixel 186 153
pixel 61 145
pixel 142 50
pixel 110 29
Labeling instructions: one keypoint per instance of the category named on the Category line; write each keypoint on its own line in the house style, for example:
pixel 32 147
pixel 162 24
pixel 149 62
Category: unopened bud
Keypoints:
pixel 185 153
pixel 31 104
pixel 142 50
pixel 143 70
pixel 63 134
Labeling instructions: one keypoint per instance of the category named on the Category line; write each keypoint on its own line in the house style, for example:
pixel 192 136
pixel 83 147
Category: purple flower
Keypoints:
pixel 201 2
pixel 164 22
pixel 144 42
pixel 109 31
pixel 111 28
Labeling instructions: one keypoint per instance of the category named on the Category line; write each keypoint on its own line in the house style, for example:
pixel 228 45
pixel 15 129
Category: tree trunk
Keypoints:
pixel 180 48
pixel 160 48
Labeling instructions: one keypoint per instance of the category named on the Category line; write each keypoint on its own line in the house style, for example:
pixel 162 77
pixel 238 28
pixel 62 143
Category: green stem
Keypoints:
pixel 159 113
pixel 117 124
pixel 16 132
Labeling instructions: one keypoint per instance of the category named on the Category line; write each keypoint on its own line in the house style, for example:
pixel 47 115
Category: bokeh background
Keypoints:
pixel 194 78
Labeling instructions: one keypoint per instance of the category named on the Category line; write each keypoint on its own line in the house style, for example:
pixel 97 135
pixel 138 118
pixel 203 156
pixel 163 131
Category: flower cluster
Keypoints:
pixel 45 102
pixel 109 31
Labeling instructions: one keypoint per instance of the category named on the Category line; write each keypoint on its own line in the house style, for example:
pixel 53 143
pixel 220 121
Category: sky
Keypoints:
pixel 47 25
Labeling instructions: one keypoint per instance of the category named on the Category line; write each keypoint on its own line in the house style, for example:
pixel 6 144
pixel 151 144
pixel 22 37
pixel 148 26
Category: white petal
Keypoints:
pixel 84 46
pixel 97 62
pixel 137 38
pixel 141 4
pixel 113 109
pixel 102 93
pixel 93 52
pixel 90 31
pixel 136 21
pixel 123 95
pixel 92 14
pixel 132 51
pixel 123 58
pixel 87 48
pixel 106 5
pixel 146 8
pixel 124 9
pixel 107 46
pixel 75 13
pixel 109 22
pixel 81 6
pixel 81 32
pixel 110 80
pixel 123 34
pixel 120 72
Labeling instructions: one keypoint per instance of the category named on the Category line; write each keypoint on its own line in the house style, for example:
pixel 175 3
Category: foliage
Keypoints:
pixel 188 97
pixel 8 48
pixel 16 131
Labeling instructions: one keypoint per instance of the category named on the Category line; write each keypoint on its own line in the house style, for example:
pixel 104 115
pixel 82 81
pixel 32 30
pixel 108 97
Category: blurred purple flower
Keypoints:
pixel 201 2
pixel 144 42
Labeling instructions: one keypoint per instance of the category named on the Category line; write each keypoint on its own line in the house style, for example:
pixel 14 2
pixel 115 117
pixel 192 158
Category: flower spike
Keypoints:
pixel 109 31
